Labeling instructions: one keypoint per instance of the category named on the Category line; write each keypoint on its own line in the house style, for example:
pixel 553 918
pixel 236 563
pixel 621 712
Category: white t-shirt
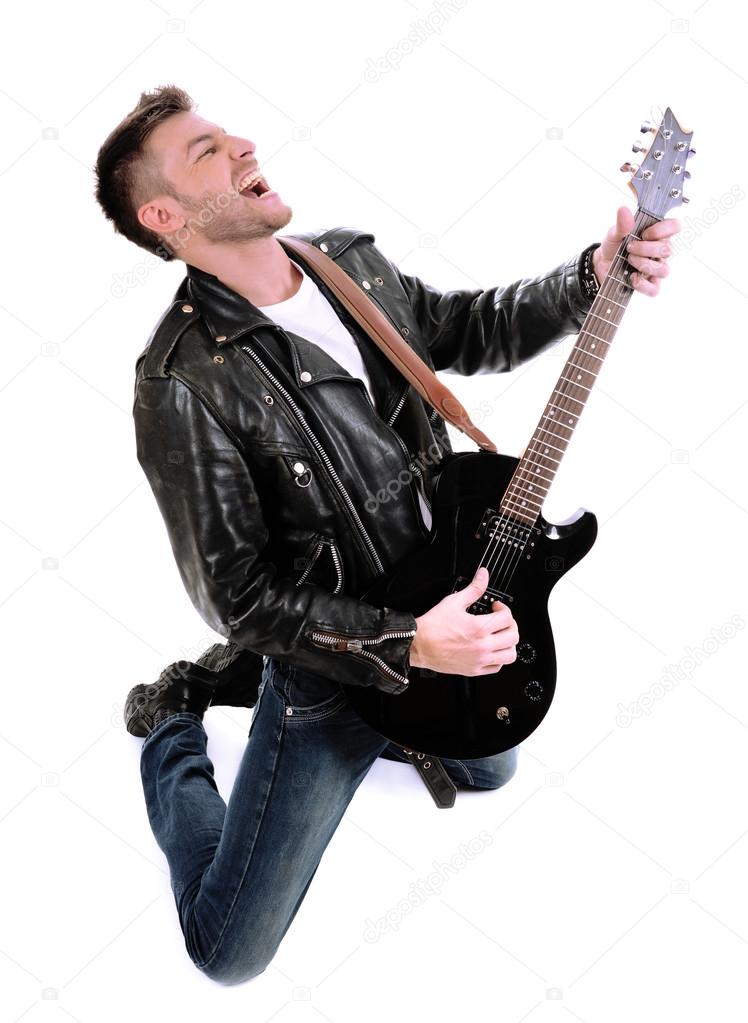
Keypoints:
pixel 309 314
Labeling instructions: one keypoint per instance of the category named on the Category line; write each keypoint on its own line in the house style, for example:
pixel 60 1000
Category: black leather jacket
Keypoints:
pixel 284 491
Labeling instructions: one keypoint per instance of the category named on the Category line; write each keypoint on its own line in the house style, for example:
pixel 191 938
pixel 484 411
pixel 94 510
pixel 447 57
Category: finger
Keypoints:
pixel 624 222
pixel 661 229
pixel 498 660
pixel 651 249
pixel 649 267
pixel 496 621
pixel 643 284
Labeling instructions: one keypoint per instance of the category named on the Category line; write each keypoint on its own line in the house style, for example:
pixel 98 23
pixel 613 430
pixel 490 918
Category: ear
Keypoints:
pixel 161 215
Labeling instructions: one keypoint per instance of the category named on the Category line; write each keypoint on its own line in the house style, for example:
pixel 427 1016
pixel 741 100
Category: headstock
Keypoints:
pixel 658 180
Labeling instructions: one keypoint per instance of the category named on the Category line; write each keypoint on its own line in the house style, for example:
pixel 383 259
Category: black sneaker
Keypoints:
pixel 236 673
pixel 182 686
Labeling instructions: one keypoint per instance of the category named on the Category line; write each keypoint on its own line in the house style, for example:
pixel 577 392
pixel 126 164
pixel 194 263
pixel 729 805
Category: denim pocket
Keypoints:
pixel 306 694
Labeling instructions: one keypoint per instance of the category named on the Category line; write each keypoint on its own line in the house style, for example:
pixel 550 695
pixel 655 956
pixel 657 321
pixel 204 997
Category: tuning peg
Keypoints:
pixel 684 198
pixel 692 151
pixel 647 126
pixel 632 168
pixel 686 174
pixel 637 147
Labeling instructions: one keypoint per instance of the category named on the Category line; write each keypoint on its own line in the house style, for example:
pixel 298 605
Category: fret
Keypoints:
pixel 598 357
pixel 597 337
pixel 565 395
pixel 530 484
pixel 537 471
pixel 527 487
pixel 599 317
pixel 619 281
pixel 575 383
pixel 556 435
pixel 522 503
pixel 562 450
pixel 565 439
pixel 559 423
pixel 608 298
pixel 519 512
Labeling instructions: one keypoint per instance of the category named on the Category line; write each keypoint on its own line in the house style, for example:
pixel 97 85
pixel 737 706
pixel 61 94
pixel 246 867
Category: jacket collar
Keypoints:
pixel 228 314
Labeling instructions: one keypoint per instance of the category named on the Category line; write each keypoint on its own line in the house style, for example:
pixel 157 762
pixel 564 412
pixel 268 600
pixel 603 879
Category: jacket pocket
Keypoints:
pixel 322 564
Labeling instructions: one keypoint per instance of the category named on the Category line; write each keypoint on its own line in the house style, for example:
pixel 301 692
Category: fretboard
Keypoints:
pixel 532 479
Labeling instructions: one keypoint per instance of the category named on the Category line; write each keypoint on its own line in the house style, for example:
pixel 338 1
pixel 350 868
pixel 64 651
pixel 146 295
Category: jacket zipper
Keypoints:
pixel 399 405
pixel 323 455
pixel 338 566
pixel 313 560
pixel 340 642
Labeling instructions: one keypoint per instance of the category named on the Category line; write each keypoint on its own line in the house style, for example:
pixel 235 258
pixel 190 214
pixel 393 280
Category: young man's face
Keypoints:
pixel 206 168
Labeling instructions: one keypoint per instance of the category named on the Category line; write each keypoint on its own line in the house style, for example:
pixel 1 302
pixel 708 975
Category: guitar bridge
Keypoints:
pixel 482 606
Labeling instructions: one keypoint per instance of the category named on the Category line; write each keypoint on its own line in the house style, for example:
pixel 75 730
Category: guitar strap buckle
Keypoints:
pixel 443 790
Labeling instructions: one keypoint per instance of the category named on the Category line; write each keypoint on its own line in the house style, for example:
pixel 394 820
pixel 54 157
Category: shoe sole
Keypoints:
pixel 137 721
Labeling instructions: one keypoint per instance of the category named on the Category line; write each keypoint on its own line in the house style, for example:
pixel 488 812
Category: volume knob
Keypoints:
pixel 534 690
pixel 526 653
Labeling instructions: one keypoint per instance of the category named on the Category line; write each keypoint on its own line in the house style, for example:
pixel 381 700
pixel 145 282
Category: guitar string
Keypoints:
pixel 618 289
pixel 512 551
pixel 621 291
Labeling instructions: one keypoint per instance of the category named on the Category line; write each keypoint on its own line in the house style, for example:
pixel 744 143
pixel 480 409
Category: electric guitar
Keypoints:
pixel 487 510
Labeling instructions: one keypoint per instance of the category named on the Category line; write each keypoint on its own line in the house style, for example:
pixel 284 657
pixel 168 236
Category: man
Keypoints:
pixel 270 428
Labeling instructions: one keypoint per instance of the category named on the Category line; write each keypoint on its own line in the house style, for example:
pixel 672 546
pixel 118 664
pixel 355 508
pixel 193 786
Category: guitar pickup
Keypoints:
pixel 504 529
pixel 482 606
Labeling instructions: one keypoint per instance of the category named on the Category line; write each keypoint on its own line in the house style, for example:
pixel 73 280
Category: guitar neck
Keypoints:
pixel 532 479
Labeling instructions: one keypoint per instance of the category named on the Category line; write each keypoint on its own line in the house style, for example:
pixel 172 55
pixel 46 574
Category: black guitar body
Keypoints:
pixel 462 716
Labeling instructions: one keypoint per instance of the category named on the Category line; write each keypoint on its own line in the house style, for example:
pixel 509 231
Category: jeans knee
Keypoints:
pixel 233 971
pixel 493 772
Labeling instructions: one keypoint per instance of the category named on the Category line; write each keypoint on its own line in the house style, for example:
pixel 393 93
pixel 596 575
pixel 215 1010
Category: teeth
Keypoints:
pixel 249 180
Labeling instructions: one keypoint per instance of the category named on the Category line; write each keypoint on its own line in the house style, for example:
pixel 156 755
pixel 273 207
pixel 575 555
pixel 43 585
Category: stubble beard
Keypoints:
pixel 234 221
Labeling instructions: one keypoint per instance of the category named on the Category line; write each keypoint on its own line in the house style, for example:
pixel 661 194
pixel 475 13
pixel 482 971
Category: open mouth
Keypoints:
pixel 257 190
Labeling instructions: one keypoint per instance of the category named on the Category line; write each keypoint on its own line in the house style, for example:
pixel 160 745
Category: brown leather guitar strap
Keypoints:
pixel 382 332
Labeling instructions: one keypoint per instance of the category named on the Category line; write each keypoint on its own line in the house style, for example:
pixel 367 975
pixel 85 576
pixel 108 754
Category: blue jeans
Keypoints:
pixel 240 872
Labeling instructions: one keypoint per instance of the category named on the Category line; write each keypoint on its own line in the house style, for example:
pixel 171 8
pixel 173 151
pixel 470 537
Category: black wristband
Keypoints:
pixel 587 278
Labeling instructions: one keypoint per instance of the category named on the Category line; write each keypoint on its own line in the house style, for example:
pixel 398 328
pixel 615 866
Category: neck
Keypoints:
pixel 539 462
pixel 259 270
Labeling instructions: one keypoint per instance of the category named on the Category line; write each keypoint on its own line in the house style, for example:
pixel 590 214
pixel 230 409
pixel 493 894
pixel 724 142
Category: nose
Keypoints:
pixel 242 147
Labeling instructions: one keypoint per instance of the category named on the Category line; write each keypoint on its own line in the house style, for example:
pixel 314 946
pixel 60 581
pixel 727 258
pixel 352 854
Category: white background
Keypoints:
pixel 614 882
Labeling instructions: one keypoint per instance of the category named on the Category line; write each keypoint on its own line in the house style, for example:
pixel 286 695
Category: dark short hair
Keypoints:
pixel 127 176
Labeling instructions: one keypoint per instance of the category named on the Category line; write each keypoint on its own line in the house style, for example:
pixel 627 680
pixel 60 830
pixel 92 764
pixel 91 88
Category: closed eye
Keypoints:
pixel 211 150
